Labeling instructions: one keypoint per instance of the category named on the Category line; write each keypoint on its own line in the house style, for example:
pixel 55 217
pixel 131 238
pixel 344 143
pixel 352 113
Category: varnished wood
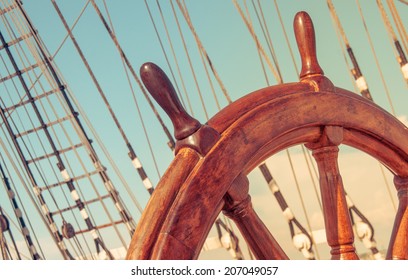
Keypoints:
pixel 243 135
pixel 162 90
pixel 188 131
pixel 160 202
pixel 203 190
pixel 398 247
pixel 305 38
pixel 337 221
pixel 239 208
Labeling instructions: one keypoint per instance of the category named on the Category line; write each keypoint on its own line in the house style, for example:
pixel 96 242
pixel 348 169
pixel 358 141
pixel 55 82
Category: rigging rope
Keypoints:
pixel 164 52
pixel 339 29
pixel 398 22
pixel 400 55
pixel 43 177
pixel 65 176
pixel 266 33
pixel 356 72
pixel 376 59
pixel 189 61
pixel 203 53
pixel 132 71
pixel 175 58
pixel 133 157
pixel 258 44
pixel 19 215
pixel 202 49
pixel 24 184
pixel 81 133
pixel 286 38
pixel 258 50
pixel 136 104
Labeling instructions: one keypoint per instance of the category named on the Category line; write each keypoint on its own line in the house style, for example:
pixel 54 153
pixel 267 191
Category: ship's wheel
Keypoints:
pixel 208 174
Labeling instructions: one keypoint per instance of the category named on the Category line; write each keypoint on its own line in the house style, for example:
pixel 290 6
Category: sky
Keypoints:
pixel 235 57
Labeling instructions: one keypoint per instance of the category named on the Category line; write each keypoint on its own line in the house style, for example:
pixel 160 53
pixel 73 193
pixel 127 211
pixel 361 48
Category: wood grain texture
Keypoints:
pixel 306 42
pixel 191 215
pixel 159 204
pixel 162 90
pixel 339 231
pixel 238 207
pixel 398 247
pixel 208 173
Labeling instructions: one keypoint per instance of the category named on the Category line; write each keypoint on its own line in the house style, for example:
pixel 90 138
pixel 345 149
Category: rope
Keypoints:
pixel 266 33
pixel 356 72
pixel 31 149
pixel 24 184
pixel 337 21
pixel 133 157
pixel 189 61
pixel 398 23
pixel 50 141
pixel 139 113
pixel 19 216
pixel 376 59
pixel 301 198
pixel 132 71
pixel 175 58
pixel 258 50
pixel 286 38
pixel 398 51
pixel 78 127
pixel 101 245
pixel 40 170
pixel 258 44
pixel 202 49
pixel 307 159
pixel 388 187
pixel 163 50
pixel 12 222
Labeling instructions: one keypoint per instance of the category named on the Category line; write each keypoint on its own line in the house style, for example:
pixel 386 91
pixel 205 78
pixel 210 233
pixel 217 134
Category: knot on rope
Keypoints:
pixel 365 233
pixel 303 243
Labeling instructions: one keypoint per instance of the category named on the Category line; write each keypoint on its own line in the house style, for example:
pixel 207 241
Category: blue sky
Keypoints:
pixel 233 54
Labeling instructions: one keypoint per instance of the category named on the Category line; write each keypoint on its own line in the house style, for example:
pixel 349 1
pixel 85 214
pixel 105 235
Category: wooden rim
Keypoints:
pixel 259 132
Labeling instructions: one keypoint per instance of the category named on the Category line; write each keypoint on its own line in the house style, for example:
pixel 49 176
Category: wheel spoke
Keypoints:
pixel 239 208
pixel 339 231
pixel 398 248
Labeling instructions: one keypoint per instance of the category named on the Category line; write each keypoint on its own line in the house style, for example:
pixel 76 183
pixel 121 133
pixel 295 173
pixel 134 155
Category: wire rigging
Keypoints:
pixel 133 157
pixel 257 42
pixel 202 49
pixel 175 58
pixel 400 55
pixel 132 71
pixel 387 92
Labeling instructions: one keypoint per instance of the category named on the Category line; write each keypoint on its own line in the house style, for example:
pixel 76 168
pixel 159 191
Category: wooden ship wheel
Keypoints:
pixel 208 173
